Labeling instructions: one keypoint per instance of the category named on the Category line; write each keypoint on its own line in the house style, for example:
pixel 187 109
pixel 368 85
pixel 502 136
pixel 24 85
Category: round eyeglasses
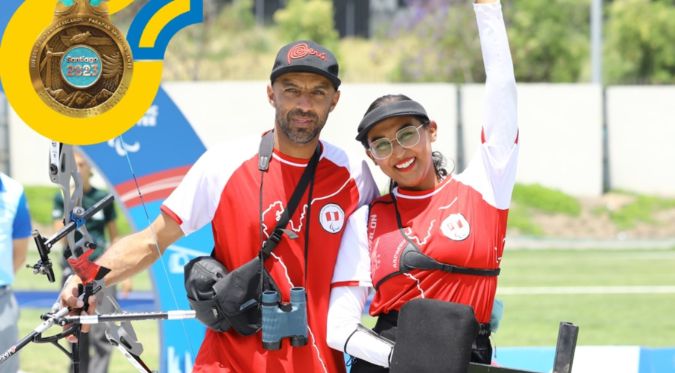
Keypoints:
pixel 407 137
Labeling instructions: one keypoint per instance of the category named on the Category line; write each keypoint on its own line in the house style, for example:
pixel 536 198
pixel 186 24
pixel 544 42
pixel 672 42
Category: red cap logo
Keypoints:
pixel 303 50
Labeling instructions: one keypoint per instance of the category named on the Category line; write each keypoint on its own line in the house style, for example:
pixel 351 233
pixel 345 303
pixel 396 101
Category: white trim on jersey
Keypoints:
pixel 294 164
pixel 353 261
pixel 402 194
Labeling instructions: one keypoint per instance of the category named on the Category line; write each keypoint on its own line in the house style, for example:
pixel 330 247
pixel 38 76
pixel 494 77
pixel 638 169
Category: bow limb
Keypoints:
pixel 63 172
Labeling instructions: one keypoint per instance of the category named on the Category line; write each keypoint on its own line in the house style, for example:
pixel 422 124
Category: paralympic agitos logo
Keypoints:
pixel 24 21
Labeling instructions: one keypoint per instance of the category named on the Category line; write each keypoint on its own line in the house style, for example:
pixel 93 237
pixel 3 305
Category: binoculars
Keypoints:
pixel 282 320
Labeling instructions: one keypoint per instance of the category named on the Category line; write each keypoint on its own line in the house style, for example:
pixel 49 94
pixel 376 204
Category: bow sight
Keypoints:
pixel 44 245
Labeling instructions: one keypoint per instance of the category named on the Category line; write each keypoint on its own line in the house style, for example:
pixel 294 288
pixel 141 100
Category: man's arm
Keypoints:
pixel 113 236
pixel 21 232
pixel 129 256
pixel 20 246
pixel 138 251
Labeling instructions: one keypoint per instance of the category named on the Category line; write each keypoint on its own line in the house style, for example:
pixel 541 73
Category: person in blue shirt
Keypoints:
pixel 15 232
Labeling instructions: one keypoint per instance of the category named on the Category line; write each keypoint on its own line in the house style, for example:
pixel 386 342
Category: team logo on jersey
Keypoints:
pixel 455 227
pixel 332 218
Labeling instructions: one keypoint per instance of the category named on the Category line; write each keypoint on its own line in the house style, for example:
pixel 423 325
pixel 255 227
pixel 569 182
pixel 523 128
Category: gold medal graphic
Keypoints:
pixel 81 64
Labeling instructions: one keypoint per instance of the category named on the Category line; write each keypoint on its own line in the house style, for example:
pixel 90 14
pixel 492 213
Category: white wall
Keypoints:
pixel 222 109
pixel 28 153
pixel 641 130
pixel 560 134
pixel 561 129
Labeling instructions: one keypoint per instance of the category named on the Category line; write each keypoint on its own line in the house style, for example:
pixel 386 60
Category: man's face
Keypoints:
pixel 302 102
pixel 82 166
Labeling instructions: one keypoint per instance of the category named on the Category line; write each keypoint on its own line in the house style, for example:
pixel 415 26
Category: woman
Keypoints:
pixel 454 219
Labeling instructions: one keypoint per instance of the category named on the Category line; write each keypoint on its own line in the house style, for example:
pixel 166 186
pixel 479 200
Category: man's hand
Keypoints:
pixel 70 297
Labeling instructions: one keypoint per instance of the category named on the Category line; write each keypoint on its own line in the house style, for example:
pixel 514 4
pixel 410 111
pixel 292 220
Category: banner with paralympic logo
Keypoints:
pixel 160 148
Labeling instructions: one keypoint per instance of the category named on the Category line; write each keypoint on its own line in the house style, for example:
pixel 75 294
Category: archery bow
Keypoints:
pixel 62 170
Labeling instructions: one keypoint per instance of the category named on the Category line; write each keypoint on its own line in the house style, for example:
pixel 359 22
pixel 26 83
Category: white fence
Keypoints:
pixel 562 135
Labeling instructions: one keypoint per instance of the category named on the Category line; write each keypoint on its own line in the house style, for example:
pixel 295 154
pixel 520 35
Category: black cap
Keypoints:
pixel 306 56
pixel 392 109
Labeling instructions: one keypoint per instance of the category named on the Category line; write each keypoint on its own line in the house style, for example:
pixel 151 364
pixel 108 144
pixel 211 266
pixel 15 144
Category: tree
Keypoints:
pixel 640 46
pixel 435 40
pixel 308 20
pixel 228 44
pixel 550 40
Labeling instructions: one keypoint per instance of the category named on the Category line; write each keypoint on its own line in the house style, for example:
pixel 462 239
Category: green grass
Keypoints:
pixel 587 267
pixel 520 219
pixel 641 209
pixel 530 198
pixel 47 358
pixel 40 203
pixel 603 319
pixel 536 196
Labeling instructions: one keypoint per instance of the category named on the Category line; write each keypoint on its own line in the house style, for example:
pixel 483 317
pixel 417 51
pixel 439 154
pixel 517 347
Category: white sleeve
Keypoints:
pixel 196 198
pixel 352 267
pixel 367 187
pixel 344 331
pixel 493 170
pixel 358 170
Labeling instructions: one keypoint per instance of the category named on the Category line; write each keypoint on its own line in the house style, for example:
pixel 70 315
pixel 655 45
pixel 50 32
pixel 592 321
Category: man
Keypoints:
pixel 225 188
pixel 98 359
pixel 15 230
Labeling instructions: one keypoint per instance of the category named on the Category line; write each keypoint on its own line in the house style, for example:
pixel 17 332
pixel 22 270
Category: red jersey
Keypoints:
pixel 223 188
pixel 452 224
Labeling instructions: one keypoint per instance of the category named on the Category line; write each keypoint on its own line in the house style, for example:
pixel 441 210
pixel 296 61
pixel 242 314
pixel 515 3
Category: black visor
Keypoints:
pixel 394 109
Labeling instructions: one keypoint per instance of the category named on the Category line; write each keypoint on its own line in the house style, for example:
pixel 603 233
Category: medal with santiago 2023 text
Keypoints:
pixel 81 64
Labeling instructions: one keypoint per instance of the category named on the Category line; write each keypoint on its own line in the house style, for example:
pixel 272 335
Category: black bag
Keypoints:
pixel 433 336
pixel 224 299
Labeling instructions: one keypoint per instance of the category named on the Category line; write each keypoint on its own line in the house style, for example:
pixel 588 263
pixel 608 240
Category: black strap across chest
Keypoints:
pixel 264 156
pixel 413 258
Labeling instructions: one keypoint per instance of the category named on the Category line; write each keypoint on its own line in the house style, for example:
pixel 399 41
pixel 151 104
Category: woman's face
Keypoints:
pixel 410 167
